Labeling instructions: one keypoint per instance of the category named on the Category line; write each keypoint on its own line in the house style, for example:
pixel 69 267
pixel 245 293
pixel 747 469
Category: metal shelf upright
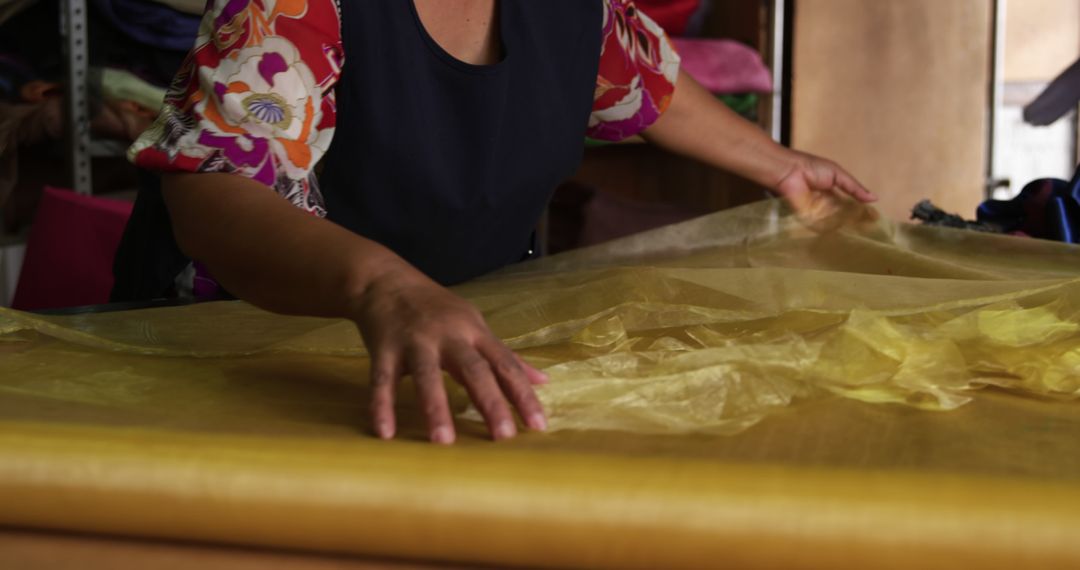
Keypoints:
pixel 73 26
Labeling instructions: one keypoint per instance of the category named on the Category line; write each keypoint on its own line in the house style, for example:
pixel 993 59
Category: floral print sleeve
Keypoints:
pixel 254 97
pixel 638 69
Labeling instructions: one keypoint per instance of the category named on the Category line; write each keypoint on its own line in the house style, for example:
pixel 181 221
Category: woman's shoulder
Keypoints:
pixel 313 27
pixel 254 97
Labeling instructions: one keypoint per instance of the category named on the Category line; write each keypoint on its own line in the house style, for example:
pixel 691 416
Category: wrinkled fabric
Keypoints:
pixel 123 85
pixel 1047 208
pixel 746 388
pixel 647 334
pixel 724 67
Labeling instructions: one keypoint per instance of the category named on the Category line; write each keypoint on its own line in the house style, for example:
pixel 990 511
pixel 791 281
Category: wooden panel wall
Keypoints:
pixel 1042 38
pixel 897 91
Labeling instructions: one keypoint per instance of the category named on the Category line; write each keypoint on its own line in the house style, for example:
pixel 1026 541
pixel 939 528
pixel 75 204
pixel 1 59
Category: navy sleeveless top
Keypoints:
pixel 448 164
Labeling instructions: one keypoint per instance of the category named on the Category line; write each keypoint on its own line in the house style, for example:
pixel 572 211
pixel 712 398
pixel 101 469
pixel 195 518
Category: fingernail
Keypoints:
pixel 442 435
pixel 538 422
pixel 385 431
pixel 537 377
pixel 505 430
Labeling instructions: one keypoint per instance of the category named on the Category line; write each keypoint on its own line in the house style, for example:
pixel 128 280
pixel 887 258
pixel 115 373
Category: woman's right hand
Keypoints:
pixel 413 326
pixel 263 249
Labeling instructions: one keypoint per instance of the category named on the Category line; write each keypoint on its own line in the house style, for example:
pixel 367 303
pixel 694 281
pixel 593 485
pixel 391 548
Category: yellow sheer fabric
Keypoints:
pixel 744 388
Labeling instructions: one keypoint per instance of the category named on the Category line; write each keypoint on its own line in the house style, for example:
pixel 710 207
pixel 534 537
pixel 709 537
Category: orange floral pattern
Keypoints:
pixel 255 96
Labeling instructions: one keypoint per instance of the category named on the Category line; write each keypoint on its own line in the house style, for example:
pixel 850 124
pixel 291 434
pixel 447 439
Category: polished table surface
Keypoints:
pixel 23 549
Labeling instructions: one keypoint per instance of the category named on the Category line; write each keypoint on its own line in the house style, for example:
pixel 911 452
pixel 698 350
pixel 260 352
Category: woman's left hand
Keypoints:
pixel 809 178
pixel 698 125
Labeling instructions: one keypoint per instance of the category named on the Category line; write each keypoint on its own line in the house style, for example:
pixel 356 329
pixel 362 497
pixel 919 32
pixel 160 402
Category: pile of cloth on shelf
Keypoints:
pixel 677 17
pixel 134 49
pixel 1047 208
pixel 150 23
pixel 732 70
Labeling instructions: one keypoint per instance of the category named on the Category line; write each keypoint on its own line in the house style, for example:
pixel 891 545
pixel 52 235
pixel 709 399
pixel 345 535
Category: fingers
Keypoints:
pixel 428 379
pixel 535 376
pixel 384 375
pixel 799 199
pixel 803 187
pixel 849 185
pixel 821 175
pixel 448 334
pixel 475 374
pixel 491 374
pixel 515 383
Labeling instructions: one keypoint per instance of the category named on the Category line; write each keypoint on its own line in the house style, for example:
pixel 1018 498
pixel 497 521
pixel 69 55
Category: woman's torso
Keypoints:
pixel 451 164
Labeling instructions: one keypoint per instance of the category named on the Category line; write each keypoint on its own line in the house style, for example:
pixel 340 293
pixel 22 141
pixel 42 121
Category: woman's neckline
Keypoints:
pixel 481 68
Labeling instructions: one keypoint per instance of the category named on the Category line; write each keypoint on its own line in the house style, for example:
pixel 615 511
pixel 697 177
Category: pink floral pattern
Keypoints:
pixel 638 69
pixel 255 96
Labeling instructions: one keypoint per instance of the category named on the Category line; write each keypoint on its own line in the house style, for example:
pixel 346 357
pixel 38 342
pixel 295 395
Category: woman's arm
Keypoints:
pixel 640 90
pixel 257 246
pixel 243 201
pixel 698 125
pixel 274 255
